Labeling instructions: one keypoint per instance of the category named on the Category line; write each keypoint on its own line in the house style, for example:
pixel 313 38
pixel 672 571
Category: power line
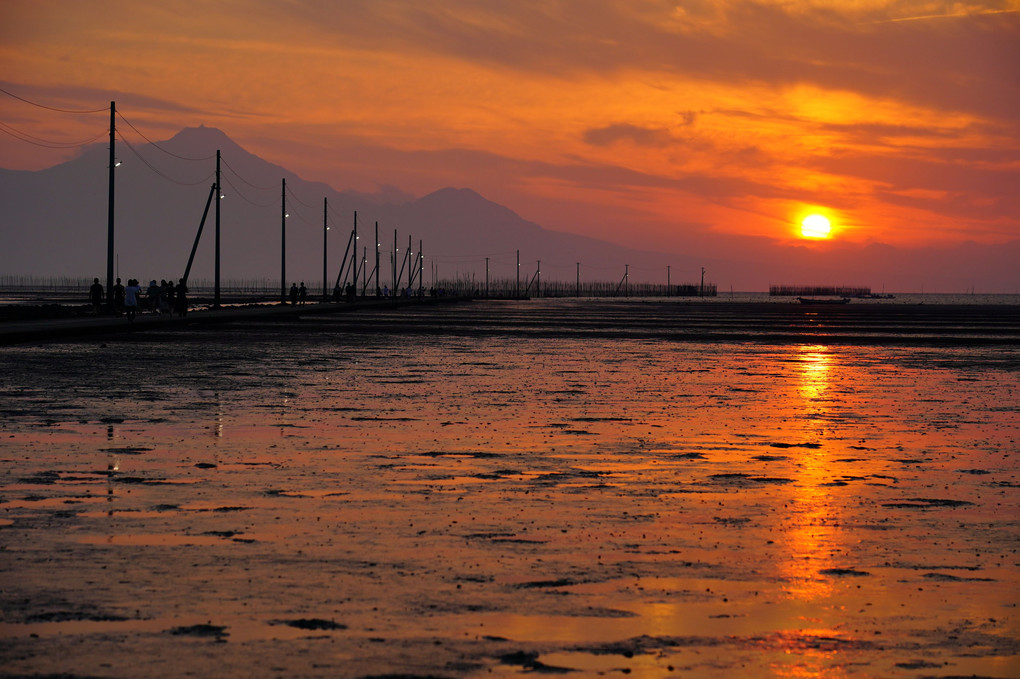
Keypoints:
pixel 153 168
pixel 294 196
pixel 157 146
pixel 51 108
pixel 46 143
pixel 245 198
pixel 236 174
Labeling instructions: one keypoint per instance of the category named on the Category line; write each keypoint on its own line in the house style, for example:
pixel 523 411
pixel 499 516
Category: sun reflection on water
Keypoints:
pixel 814 534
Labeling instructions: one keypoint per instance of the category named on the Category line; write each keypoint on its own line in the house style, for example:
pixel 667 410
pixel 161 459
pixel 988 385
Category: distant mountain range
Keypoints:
pixel 53 222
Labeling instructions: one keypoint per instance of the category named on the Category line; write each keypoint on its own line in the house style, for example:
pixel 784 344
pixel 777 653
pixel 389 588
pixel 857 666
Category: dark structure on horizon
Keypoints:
pixel 829 290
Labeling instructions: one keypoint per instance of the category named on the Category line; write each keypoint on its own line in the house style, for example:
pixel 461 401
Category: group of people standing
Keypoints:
pixel 298 295
pixel 162 298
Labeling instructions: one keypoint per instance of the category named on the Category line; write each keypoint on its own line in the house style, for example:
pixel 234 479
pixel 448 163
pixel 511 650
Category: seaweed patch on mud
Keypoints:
pixel 317 624
pixel 217 632
pixel 742 479
pixel 926 503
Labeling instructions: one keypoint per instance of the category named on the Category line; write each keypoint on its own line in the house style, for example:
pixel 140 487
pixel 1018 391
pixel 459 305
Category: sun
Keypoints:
pixel 815 226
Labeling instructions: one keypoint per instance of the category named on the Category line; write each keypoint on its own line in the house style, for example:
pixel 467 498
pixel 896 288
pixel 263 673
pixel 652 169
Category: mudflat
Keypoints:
pixel 524 487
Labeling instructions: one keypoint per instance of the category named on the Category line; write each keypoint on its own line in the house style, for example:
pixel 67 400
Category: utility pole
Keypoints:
pixel 219 197
pixel 701 293
pixel 325 230
pixel 517 290
pixel 354 255
pixel 109 211
pixel 486 277
pixel 283 242
pixel 538 278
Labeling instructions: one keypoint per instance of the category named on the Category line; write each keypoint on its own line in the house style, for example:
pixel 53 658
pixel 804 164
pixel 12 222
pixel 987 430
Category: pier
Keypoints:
pixel 54 329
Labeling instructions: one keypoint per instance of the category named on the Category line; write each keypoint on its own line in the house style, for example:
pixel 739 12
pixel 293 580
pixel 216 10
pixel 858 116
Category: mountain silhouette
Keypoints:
pixel 54 224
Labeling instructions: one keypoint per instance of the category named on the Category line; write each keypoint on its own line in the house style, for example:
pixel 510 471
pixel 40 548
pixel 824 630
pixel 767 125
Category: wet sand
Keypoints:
pixel 513 488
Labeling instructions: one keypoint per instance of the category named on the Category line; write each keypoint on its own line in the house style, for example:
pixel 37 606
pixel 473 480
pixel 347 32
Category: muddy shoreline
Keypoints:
pixel 313 499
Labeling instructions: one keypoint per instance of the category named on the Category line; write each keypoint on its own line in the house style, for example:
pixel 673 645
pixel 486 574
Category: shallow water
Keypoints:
pixel 298 500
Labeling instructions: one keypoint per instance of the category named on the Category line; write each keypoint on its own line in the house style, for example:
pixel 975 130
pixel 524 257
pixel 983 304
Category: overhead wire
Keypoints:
pixel 46 143
pixel 238 175
pixel 243 197
pixel 157 146
pixel 52 108
pixel 156 171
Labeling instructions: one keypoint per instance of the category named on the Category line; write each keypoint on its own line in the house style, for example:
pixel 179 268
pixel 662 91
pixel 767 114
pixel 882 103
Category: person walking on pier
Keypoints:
pixel 303 293
pixel 293 293
pixel 96 295
pixel 131 295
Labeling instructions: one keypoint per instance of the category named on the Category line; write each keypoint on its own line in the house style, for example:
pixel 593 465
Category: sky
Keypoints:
pixel 709 126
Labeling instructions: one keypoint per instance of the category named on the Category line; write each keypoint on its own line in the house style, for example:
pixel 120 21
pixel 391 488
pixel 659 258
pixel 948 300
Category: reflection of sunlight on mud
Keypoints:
pixel 814 365
pixel 814 533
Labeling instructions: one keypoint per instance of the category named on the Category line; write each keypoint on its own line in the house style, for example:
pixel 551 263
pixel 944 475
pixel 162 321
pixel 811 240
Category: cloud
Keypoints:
pixel 640 136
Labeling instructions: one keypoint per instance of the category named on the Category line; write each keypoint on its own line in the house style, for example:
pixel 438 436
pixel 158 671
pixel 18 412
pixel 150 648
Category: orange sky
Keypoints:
pixel 691 125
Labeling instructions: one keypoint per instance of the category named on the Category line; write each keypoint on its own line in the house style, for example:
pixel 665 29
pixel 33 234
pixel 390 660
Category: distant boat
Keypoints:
pixel 877 295
pixel 816 300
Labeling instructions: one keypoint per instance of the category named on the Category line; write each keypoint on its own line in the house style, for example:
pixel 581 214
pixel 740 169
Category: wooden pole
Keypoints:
pixel 109 209
pixel 283 242
pixel 325 230
pixel 219 197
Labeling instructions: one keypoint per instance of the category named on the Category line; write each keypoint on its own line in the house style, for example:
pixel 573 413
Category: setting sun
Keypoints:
pixel 815 226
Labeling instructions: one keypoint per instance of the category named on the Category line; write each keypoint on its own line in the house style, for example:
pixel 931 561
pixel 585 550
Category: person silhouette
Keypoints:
pixel 131 294
pixel 118 297
pixel 293 293
pixel 96 295
pixel 182 299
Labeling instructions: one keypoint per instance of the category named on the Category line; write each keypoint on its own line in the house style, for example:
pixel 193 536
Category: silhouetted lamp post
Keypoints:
pixel 283 243
pixel 325 230
pixel 109 212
